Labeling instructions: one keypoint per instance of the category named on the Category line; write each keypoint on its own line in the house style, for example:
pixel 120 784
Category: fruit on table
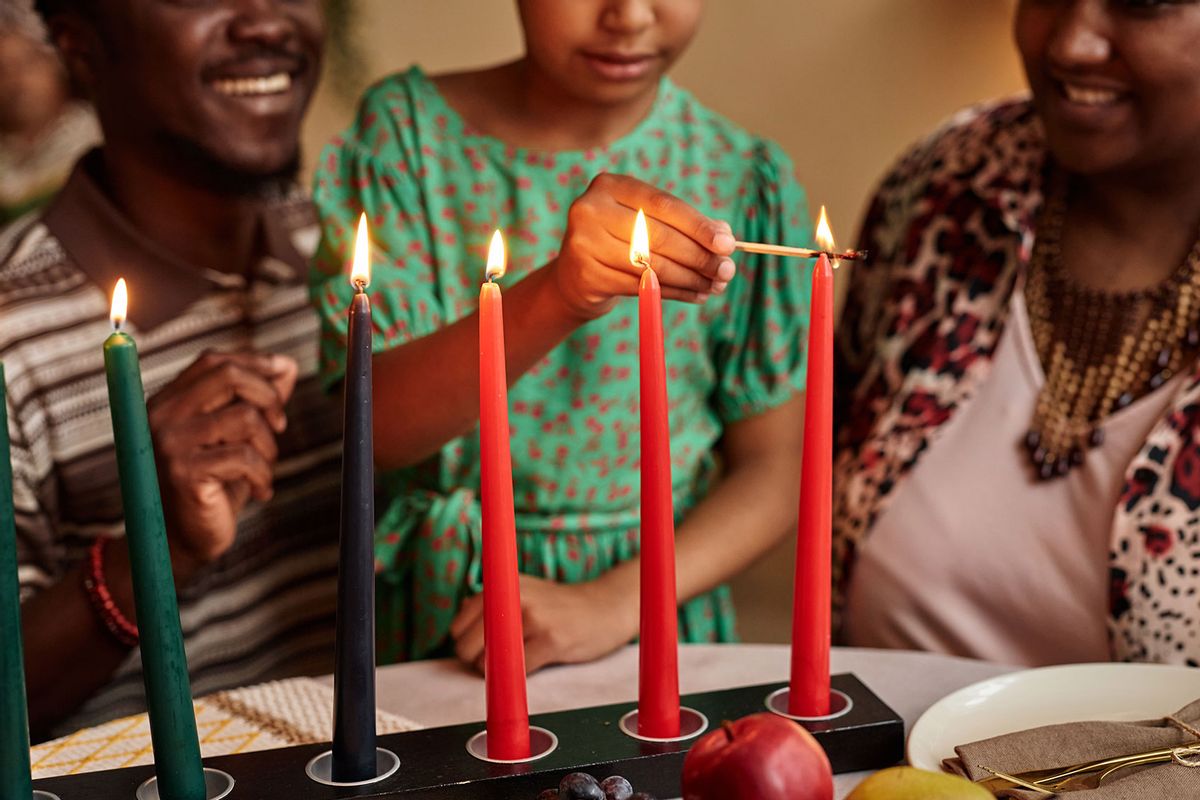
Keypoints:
pixel 759 757
pixel 910 783
pixel 581 786
pixel 616 788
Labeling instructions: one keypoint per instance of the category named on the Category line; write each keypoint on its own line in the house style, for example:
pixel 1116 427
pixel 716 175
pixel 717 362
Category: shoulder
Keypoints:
pixel 33 263
pixel 45 301
pixel 725 150
pixel 727 141
pixel 391 109
pixel 398 120
pixel 975 145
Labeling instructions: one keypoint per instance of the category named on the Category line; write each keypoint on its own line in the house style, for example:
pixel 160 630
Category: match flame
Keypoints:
pixel 825 236
pixel 639 246
pixel 497 264
pixel 120 304
pixel 360 272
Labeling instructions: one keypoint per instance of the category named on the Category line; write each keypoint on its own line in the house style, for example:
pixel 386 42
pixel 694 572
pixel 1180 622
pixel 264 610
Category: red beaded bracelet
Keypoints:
pixel 96 588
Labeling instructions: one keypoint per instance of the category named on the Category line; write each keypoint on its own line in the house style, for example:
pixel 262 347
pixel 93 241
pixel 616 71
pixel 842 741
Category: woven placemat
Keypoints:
pixel 269 715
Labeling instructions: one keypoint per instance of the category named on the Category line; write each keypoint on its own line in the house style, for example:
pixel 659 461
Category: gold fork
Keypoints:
pixel 1088 775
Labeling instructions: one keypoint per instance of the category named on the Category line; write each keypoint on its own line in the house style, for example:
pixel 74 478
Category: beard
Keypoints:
pixel 205 170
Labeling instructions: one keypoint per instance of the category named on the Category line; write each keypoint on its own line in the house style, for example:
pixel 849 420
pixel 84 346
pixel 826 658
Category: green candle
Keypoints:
pixel 164 665
pixel 14 720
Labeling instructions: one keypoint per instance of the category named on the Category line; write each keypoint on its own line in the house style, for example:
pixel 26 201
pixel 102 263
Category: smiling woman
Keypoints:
pixel 1017 482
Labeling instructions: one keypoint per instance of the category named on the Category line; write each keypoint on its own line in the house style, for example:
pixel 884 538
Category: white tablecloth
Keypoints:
pixel 450 694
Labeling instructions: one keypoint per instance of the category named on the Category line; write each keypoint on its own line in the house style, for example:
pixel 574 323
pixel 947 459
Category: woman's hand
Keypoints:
pixel 565 623
pixel 689 251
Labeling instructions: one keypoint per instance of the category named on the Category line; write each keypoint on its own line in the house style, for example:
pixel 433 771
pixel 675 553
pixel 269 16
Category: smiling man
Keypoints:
pixel 191 200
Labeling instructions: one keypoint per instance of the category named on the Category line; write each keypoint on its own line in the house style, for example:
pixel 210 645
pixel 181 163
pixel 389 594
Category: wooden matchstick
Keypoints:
pixel 798 252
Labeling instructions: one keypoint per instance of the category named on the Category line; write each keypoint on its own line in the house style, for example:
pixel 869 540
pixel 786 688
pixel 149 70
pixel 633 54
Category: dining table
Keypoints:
pixel 451 693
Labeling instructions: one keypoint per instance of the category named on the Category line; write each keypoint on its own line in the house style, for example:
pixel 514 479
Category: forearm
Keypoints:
pixel 752 507
pixel 426 392
pixel 69 656
pixel 745 515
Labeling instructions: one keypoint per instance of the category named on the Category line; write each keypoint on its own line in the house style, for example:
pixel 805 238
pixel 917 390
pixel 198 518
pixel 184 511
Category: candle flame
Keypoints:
pixel 639 245
pixel 120 303
pixel 825 236
pixel 360 272
pixel 497 264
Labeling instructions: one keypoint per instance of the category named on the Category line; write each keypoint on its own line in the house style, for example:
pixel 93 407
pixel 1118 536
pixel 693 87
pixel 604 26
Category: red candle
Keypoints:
pixel 504 640
pixel 658 667
pixel 808 694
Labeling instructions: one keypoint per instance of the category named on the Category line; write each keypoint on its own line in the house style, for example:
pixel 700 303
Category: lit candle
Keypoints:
pixel 808 694
pixel 354 756
pixel 503 637
pixel 14 719
pixel 164 665
pixel 658 645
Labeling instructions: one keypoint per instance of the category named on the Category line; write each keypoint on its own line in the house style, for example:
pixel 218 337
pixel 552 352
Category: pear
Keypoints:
pixel 909 783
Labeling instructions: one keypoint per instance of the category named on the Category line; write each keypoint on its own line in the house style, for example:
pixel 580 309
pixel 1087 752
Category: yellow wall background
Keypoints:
pixel 843 85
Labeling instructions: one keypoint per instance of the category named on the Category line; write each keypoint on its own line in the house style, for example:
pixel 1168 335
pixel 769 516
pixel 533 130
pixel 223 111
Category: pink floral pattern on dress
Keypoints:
pixel 434 190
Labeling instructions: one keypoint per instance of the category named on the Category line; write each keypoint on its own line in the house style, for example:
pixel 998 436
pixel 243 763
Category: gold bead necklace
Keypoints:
pixel 1099 350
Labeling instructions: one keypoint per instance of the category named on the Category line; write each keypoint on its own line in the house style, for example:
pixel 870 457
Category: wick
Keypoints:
pixel 642 261
pixel 360 285
pixel 117 325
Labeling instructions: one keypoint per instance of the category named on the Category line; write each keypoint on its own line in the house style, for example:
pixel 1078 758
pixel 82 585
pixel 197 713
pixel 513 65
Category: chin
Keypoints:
pixel 265 162
pixel 614 93
pixel 245 167
pixel 1089 158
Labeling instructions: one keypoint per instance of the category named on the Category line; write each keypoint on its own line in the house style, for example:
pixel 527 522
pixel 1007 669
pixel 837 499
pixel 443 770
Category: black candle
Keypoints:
pixel 354 670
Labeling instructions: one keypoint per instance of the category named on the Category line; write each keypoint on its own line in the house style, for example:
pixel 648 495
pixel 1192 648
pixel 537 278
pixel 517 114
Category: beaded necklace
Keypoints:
pixel 1100 350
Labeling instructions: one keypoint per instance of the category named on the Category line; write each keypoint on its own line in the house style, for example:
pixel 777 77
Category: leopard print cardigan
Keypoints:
pixel 950 233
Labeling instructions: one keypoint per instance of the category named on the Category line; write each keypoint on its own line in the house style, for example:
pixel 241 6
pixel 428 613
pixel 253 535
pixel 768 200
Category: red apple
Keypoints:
pixel 759 757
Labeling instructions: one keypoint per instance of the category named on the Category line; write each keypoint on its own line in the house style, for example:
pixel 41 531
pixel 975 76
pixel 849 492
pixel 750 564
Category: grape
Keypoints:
pixel 579 786
pixel 616 788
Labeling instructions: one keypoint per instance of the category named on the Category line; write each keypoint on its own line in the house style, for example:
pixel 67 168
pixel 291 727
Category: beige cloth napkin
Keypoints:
pixel 262 717
pixel 1076 742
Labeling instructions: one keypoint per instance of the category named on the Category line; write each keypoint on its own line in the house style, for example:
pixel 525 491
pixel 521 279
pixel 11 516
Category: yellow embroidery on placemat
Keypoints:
pixel 270 715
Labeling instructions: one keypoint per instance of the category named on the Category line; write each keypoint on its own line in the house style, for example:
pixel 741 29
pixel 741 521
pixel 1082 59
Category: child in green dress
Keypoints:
pixel 559 149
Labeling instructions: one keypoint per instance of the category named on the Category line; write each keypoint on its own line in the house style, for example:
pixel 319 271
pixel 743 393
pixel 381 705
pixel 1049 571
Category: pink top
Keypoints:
pixel 975 557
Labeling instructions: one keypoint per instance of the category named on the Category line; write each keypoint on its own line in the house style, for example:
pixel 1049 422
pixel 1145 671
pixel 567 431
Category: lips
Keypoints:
pixel 255 77
pixel 249 87
pixel 620 66
pixel 1089 95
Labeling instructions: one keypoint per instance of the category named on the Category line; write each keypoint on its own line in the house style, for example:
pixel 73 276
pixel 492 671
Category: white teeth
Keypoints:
pixel 1089 97
pixel 246 87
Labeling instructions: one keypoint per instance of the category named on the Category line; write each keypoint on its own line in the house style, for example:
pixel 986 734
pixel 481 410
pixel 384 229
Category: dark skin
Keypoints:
pixel 1117 84
pixel 222 85
pixel 590 76
pixel 33 90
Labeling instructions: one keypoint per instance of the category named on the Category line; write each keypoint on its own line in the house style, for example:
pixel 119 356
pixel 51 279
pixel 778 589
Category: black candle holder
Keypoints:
pixel 436 765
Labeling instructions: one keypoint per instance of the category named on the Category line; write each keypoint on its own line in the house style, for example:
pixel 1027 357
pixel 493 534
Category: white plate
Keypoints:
pixel 1046 696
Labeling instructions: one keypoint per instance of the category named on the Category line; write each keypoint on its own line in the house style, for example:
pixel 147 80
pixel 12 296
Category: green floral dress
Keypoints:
pixel 434 190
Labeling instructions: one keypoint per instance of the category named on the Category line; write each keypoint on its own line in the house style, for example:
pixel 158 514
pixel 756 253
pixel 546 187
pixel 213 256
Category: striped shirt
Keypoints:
pixel 264 609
